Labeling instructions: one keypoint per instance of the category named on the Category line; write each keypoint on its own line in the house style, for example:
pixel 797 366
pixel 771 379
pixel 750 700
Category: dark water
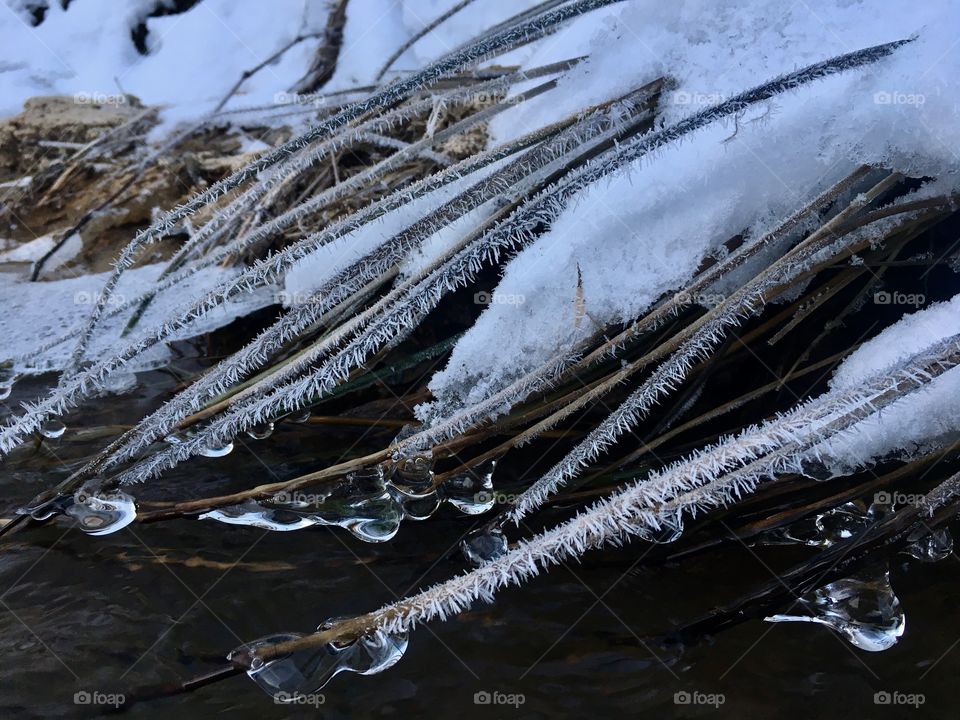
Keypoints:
pixel 163 602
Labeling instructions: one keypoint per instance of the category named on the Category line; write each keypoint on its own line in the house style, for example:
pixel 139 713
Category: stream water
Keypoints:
pixel 83 618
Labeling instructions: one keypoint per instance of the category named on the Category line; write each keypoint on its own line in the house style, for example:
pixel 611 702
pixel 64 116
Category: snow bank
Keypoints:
pixel 642 233
pixel 194 58
pixel 37 312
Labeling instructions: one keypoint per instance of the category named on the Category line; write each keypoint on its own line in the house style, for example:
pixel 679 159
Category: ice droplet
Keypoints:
pixel 299 416
pixel 48 508
pixel 358 505
pixel 482 546
pixel 841 523
pixel 930 546
pixel 825 529
pixel 8 379
pixel 863 609
pixel 413 476
pixel 120 382
pixel 412 486
pixel 254 514
pixel 53 429
pixel 307 671
pixel 362 505
pixel 261 431
pixel 102 514
pixel 472 493
pixel 215 452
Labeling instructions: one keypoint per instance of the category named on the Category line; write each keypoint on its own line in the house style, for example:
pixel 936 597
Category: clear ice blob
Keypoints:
pixel 863 609
pixel 52 429
pixel 359 506
pixel 256 515
pixel 46 509
pixel 417 508
pixel 215 452
pixel 8 378
pixel 307 671
pixel 824 529
pixel 413 476
pixel 472 492
pixel 482 546
pixel 841 523
pixel 102 513
pixel 261 431
pixel 929 546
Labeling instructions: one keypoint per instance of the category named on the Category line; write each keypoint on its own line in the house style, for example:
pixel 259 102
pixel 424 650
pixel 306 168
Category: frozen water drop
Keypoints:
pixel 369 479
pixel 48 508
pixel 419 508
pixel 309 670
pixel 7 380
pixel 52 429
pixel 482 546
pixel 215 452
pixel 930 546
pixel 120 382
pixel 667 535
pixel 299 416
pixel 254 514
pixel 261 431
pixel 102 514
pixel 472 493
pixel 358 505
pixel 823 530
pixel 863 609
pixel 840 523
pixel 413 476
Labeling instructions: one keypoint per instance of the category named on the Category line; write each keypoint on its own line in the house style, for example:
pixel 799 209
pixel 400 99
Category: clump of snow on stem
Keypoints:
pixel 644 232
pixel 915 423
